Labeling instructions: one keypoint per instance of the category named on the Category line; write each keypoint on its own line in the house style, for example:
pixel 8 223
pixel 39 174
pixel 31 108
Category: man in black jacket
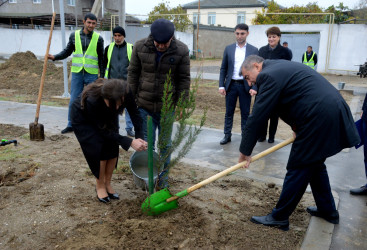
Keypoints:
pixel 87 48
pixel 117 56
pixel 322 123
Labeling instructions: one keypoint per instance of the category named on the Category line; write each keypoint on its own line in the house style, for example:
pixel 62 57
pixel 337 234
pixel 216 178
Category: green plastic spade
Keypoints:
pixel 163 200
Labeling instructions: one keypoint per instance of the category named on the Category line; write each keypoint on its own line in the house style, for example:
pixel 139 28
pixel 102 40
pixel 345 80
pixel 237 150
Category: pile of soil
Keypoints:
pixel 23 71
pixel 48 201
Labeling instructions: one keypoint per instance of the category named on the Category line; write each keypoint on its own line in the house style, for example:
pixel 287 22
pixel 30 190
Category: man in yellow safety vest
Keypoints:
pixel 309 58
pixel 87 49
pixel 116 61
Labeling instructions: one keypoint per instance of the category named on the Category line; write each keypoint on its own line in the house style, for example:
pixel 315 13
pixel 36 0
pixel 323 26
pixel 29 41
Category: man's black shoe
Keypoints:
pixel 270 140
pixel 225 140
pixel 67 130
pixel 269 221
pixel 359 191
pixel 332 217
pixel 261 139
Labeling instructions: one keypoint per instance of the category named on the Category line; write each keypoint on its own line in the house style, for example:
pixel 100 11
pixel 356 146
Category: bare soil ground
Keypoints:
pixel 47 196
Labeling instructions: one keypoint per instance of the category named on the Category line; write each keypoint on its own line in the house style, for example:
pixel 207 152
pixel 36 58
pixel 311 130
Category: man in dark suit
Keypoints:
pixel 231 83
pixel 322 123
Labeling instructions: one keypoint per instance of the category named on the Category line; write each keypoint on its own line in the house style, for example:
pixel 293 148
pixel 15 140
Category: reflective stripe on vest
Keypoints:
pixel 88 61
pixel 311 62
pixel 129 48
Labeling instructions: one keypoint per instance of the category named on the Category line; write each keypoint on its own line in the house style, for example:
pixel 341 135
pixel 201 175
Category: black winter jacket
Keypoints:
pixel 146 77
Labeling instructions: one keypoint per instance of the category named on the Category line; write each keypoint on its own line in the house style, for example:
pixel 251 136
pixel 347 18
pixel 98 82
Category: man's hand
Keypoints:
pixel 252 92
pixel 222 92
pixel 52 57
pixel 244 158
pixel 139 145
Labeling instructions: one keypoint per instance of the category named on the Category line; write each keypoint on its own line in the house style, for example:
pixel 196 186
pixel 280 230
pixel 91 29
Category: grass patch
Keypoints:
pixel 8 154
pixel 123 167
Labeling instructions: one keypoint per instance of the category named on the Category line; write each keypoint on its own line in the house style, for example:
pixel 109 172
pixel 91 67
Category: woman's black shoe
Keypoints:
pixel 114 196
pixel 104 200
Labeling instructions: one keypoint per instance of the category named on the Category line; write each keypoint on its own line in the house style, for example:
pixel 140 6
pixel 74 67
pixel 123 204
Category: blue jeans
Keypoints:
pixel 156 117
pixel 78 80
pixel 129 123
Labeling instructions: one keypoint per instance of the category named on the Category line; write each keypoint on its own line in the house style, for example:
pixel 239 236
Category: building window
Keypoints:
pixel 71 2
pixel 211 18
pixel 36 1
pixel 15 26
pixel 240 17
pixel 196 18
pixel 12 1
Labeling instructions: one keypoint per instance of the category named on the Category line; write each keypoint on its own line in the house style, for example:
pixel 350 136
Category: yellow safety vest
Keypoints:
pixel 109 54
pixel 88 61
pixel 310 63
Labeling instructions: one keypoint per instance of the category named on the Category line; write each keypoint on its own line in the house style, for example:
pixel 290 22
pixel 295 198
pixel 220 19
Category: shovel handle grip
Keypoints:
pixel 233 168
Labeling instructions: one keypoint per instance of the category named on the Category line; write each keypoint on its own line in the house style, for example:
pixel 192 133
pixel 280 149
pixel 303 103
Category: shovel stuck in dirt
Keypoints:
pixel 163 200
pixel 36 130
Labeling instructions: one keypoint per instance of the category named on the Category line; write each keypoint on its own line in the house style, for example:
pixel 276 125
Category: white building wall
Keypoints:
pixel 348 43
pixel 224 17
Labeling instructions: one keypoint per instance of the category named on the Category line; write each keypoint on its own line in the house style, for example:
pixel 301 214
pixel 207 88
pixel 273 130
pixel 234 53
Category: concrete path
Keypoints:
pixel 345 171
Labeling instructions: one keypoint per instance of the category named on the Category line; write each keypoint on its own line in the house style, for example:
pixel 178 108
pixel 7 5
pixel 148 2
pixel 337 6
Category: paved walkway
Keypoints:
pixel 345 171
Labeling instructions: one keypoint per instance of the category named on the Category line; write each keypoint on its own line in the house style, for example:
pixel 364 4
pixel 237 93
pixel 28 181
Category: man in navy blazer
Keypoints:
pixel 231 83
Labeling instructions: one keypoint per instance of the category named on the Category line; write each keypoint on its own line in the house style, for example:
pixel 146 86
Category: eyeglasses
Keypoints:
pixel 238 33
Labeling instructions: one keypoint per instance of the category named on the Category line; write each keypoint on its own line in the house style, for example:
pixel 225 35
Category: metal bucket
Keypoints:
pixel 139 168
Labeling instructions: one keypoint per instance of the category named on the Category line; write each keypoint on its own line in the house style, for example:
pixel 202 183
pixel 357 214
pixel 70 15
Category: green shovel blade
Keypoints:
pixel 156 203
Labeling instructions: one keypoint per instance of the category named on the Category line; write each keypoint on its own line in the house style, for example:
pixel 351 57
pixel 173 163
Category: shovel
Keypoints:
pixel 163 201
pixel 36 130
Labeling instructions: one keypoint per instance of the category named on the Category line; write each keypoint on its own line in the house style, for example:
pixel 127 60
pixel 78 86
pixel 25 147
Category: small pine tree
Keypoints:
pixel 186 133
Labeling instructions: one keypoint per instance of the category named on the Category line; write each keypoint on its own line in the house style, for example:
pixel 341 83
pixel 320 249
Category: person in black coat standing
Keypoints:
pixel 363 189
pixel 273 51
pixel 94 116
pixel 322 123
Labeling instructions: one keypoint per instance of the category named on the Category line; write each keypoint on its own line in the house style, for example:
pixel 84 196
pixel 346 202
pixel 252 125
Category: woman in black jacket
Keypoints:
pixel 272 51
pixel 94 116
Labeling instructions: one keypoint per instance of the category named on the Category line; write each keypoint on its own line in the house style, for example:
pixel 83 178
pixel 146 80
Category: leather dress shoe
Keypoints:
pixel 261 139
pixel 67 130
pixel 270 140
pixel 332 217
pixel 269 221
pixel 359 191
pixel 225 140
pixel 114 196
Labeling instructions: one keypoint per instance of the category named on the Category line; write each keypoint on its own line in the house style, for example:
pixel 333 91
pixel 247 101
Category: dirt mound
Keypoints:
pixel 23 72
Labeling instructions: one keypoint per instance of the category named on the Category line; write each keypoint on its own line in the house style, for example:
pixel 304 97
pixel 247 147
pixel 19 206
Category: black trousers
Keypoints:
pixel 236 91
pixel 274 117
pixel 295 184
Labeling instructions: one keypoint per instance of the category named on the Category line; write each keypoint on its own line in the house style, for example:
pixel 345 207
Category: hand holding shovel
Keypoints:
pixel 163 201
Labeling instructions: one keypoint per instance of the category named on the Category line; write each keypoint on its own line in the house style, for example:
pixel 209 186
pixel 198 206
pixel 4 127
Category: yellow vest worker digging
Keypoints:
pixel 311 62
pixel 88 61
pixel 129 48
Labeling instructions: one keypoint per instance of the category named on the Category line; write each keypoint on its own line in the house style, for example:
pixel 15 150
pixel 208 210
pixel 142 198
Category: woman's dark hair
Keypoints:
pixel 273 31
pixel 113 90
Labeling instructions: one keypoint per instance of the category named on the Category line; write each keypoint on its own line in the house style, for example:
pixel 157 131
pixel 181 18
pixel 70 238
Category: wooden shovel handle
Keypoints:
pixel 234 168
pixel 44 70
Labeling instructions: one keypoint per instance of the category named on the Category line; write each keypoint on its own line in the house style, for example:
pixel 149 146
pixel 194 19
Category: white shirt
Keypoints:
pixel 239 57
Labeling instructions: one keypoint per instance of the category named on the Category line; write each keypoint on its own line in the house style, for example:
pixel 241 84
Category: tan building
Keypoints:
pixel 224 13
